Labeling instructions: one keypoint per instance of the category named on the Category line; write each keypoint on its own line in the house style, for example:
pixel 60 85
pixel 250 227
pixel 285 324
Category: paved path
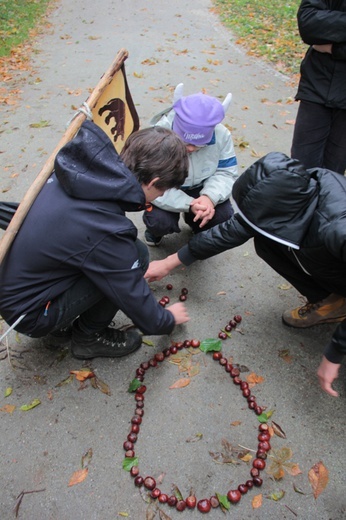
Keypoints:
pixel 168 43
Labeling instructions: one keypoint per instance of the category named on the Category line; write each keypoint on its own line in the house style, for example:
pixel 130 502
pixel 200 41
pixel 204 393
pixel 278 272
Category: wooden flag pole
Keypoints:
pixel 47 169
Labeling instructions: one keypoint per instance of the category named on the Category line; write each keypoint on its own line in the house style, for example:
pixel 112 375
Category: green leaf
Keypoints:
pixel 40 124
pixel 211 345
pixel 135 383
pixel 128 462
pixel 148 342
pixel 276 495
pixel 223 501
pixel 8 391
pixel 33 404
pixel 263 418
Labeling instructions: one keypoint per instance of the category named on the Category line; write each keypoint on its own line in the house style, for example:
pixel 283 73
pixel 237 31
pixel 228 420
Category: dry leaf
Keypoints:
pixel 278 430
pixel 235 423
pixel 184 381
pixel 78 476
pixel 82 375
pixel 318 478
pixel 254 379
pixel 257 501
pixel 8 408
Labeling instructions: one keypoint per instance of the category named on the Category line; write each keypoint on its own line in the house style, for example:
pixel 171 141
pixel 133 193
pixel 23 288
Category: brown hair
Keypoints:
pixel 156 152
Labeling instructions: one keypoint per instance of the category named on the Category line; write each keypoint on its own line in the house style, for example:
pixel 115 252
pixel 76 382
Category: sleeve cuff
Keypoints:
pixel 332 354
pixel 185 256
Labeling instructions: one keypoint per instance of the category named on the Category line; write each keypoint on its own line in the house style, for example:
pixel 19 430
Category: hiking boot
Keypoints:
pixel 330 310
pixel 58 339
pixel 151 240
pixel 106 343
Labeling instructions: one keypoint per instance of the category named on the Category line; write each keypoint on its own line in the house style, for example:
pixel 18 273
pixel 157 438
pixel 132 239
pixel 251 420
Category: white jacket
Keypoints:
pixel 213 167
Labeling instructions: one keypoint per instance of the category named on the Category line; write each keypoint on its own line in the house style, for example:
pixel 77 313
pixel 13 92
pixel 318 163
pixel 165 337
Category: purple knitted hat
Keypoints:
pixel 196 117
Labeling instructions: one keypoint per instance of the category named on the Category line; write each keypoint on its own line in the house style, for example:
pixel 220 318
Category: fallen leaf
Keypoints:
pixel 82 375
pixel 8 408
pixel 235 423
pixel 8 391
pixel 278 430
pixel 78 477
pixel 65 381
pixel 285 286
pixel 276 495
pixel 180 383
pixel 254 379
pixel 122 513
pixel 86 458
pixel 257 501
pixel 33 404
pixel 195 438
pixel 318 477
pixel 221 293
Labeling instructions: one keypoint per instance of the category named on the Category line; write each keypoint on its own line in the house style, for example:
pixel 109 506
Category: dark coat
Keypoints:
pixel 77 226
pixel 302 209
pixel 323 75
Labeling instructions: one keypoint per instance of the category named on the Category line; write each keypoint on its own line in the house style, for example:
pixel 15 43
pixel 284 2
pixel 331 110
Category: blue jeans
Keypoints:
pixel 83 300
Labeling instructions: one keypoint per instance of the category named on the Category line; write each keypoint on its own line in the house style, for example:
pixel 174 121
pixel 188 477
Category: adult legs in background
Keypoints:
pixel 319 137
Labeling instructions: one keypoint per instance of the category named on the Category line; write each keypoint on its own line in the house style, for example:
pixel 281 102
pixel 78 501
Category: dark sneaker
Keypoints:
pixel 329 310
pixel 151 240
pixel 58 339
pixel 107 343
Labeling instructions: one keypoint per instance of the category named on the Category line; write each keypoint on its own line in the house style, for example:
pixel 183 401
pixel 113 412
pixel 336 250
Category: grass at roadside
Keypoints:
pixel 17 19
pixel 264 28
pixel 267 29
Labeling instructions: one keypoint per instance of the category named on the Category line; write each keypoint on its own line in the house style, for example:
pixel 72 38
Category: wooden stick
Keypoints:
pixel 47 169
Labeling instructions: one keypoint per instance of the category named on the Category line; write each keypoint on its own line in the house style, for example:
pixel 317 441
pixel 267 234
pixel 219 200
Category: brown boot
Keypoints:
pixel 330 310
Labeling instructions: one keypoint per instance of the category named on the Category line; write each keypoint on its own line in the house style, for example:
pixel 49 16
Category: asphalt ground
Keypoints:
pixel 185 431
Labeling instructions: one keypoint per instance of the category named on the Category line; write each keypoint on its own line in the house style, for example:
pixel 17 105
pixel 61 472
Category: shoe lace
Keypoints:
pixel 112 337
pixel 308 308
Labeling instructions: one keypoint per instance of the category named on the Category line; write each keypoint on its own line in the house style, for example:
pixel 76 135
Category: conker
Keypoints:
pixel 139 481
pixel 223 335
pixel 183 297
pixel 259 464
pixel 234 496
pixel 159 356
pixel 155 493
pixel 265 445
pixel 191 501
pixel 180 505
pixel 204 505
pixel 195 343
pixel 172 500
pixel 163 498
pixel 257 481
pixel 132 437
pixel 184 291
pixel 214 501
pixel 243 488
pixel 169 287
pixel 264 436
pixel 150 483
pixel 237 318
pixel 249 484
pixel 134 471
pixel 217 356
pixel 128 445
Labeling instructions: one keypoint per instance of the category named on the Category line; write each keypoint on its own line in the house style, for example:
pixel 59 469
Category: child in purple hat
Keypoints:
pixel 204 197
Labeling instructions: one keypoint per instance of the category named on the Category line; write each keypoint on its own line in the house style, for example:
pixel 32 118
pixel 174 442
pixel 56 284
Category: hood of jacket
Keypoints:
pixel 277 197
pixel 89 168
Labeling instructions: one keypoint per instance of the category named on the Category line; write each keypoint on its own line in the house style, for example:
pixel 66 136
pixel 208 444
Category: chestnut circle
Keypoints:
pixel 205 504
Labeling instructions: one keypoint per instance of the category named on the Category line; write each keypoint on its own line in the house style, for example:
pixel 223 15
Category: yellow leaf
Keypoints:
pixel 8 391
pixel 8 408
pixel 184 381
pixel 122 513
pixel 257 501
pixel 78 476
pixel 318 478
pixel 246 457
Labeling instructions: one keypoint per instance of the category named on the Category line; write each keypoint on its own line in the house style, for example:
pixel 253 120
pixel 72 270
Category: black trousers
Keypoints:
pixel 319 137
pixel 322 280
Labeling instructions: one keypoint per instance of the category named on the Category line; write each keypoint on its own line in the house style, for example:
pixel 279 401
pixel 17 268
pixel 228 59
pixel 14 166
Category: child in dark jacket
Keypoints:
pixel 297 218
pixel 76 259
